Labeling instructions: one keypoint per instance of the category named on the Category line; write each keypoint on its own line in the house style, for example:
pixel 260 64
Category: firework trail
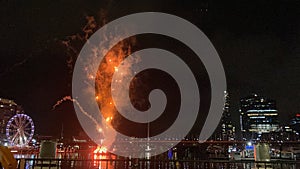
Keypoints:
pixel 72 41
pixel 69 98
pixel 11 68
pixel 28 57
pixel 59 102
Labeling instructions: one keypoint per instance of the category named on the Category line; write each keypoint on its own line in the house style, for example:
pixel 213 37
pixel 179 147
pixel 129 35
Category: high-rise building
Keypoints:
pixel 8 108
pixel 258 115
pixel 285 133
pixel 225 129
pixel 295 123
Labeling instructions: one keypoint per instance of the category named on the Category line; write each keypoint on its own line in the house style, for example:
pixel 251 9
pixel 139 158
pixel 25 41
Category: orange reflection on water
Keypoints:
pixel 102 160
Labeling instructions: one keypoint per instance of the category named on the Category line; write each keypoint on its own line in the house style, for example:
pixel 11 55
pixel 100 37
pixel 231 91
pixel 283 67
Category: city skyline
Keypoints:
pixel 226 129
pixel 259 49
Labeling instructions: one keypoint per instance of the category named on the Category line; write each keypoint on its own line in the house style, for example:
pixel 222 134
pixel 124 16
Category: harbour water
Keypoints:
pixel 113 162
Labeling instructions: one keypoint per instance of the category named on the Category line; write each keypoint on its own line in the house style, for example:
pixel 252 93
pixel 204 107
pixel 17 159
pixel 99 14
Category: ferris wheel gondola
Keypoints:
pixel 19 130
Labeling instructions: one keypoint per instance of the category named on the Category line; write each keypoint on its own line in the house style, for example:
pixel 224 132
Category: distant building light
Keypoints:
pixel 266 110
pixel 264 114
pixel 257 117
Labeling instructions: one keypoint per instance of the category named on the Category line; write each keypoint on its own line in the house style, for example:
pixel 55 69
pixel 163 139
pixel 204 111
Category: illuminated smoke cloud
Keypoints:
pixel 104 74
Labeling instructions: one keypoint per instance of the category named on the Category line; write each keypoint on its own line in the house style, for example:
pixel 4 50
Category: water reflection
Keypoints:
pixel 110 161
pixel 102 161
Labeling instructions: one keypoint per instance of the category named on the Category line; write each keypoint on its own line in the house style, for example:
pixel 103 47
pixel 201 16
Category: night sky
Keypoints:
pixel 257 41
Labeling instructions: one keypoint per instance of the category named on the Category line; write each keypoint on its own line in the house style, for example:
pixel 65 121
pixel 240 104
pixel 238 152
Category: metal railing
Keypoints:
pixel 28 163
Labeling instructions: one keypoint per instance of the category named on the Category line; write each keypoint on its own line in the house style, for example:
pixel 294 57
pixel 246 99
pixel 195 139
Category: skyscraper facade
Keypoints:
pixel 258 115
pixel 295 123
pixel 225 129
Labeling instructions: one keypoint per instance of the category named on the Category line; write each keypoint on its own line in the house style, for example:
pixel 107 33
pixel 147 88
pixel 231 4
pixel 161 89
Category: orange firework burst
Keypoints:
pixel 105 70
pixel 104 77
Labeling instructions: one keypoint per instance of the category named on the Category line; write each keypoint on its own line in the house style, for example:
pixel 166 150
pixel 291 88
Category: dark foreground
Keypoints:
pixel 153 164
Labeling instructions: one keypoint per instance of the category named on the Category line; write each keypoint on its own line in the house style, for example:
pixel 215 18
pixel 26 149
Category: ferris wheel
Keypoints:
pixel 19 130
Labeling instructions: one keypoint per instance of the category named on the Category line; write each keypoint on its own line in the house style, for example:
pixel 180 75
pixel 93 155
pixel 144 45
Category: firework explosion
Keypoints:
pixel 103 78
pixel 103 82
pixel 107 69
